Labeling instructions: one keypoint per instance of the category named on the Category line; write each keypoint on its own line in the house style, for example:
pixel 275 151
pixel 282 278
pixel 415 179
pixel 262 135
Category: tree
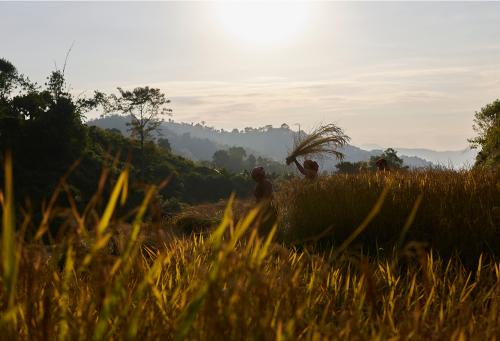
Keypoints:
pixel 390 155
pixel 233 159
pixel 236 159
pixel 350 167
pixel 8 77
pixel 42 126
pixel 251 162
pixel 165 144
pixel 146 107
pixel 487 126
pixel 220 159
pixel 114 131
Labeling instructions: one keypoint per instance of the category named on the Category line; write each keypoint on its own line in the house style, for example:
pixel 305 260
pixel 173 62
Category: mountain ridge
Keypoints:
pixel 198 142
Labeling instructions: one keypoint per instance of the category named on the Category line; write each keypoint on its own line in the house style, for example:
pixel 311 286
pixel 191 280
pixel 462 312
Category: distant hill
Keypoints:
pixel 453 158
pixel 199 142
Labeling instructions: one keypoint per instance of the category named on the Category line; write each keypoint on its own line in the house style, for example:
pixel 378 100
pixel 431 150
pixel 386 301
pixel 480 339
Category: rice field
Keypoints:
pixel 115 278
pixel 450 212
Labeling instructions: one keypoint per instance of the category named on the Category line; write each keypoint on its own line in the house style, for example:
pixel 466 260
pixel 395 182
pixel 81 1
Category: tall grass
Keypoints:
pixel 231 284
pixel 455 211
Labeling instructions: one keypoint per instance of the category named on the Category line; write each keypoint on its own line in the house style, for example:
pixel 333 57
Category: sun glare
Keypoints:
pixel 265 24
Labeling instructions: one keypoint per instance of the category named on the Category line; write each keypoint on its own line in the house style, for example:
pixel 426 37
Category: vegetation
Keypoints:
pixel 146 108
pixel 392 158
pixel 455 212
pixel 199 142
pixel 394 162
pixel 487 126
pixel 351 167
pixel 327 139
pixel 235 160
pixel 103 251
pixel 43 128
pixel 189 182
pixel 108 279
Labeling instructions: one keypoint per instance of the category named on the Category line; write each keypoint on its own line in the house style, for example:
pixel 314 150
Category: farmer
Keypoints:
pixel 263 195
pixel 264 188
pixel 309 170
pixel 381 164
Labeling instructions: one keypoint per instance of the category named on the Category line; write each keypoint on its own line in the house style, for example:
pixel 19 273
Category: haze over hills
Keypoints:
pixel 454 158
pixel 199 142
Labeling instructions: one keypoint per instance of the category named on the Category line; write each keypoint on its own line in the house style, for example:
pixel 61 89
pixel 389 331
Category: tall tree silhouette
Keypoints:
pixel 146 108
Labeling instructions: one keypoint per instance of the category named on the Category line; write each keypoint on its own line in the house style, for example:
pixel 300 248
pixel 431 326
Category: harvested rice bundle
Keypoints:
pixel 326 139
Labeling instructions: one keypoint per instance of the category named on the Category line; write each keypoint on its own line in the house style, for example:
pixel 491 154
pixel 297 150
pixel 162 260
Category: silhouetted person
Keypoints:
pixel 309 170
pixel 263 196
pixel 381 164
pixel 264 188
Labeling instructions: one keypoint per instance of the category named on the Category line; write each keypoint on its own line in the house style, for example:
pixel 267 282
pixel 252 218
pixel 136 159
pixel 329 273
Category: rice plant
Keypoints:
pixel 455 213
pixel 326 139
pixel 117 278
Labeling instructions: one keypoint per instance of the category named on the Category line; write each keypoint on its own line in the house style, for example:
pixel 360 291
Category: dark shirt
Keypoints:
pixel 263 190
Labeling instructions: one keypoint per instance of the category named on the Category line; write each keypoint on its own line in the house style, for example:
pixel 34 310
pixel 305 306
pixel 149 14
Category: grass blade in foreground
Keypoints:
pixel 9 257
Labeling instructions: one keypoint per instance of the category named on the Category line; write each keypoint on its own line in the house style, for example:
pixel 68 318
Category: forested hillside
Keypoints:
pixel 199 142
pixel 42 127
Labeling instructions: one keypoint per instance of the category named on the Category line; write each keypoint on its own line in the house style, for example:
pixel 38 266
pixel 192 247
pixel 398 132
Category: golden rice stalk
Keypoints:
pixel 326 139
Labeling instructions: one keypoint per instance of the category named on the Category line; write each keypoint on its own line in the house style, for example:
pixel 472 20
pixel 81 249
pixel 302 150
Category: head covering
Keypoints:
pixel 310 164
pixel 381 163
pixel 258 173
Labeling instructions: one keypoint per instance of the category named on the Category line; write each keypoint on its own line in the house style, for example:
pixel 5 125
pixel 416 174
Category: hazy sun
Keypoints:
pixel 262 23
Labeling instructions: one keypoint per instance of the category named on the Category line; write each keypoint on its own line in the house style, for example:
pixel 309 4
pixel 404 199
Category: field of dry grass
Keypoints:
pixel 107 281
pixel 451 212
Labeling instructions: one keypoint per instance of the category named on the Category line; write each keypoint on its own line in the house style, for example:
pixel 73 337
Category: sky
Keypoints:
pixel 391 74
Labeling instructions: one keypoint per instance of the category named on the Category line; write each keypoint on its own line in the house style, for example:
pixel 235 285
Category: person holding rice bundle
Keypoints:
pixel 309 170
pixel 326 139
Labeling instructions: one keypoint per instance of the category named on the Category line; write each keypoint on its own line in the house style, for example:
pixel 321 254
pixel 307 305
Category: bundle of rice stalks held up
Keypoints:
pixel 326 139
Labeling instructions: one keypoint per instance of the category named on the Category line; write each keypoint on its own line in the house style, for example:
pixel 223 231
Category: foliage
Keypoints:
pixel 487 126
pixel 235 160
pixel 145 106
pixel 231 160
pixel 392 158
pixel 188 181
pixel 164 143
pixel 351 167
pixel 43 129
pixel 390 155
pixel 42 126
pixel 132 281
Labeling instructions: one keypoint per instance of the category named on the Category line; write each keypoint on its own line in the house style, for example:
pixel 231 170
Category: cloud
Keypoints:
pixel 437 102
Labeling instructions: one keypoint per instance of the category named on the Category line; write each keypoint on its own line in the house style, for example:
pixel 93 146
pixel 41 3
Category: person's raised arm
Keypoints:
pixel 299 167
